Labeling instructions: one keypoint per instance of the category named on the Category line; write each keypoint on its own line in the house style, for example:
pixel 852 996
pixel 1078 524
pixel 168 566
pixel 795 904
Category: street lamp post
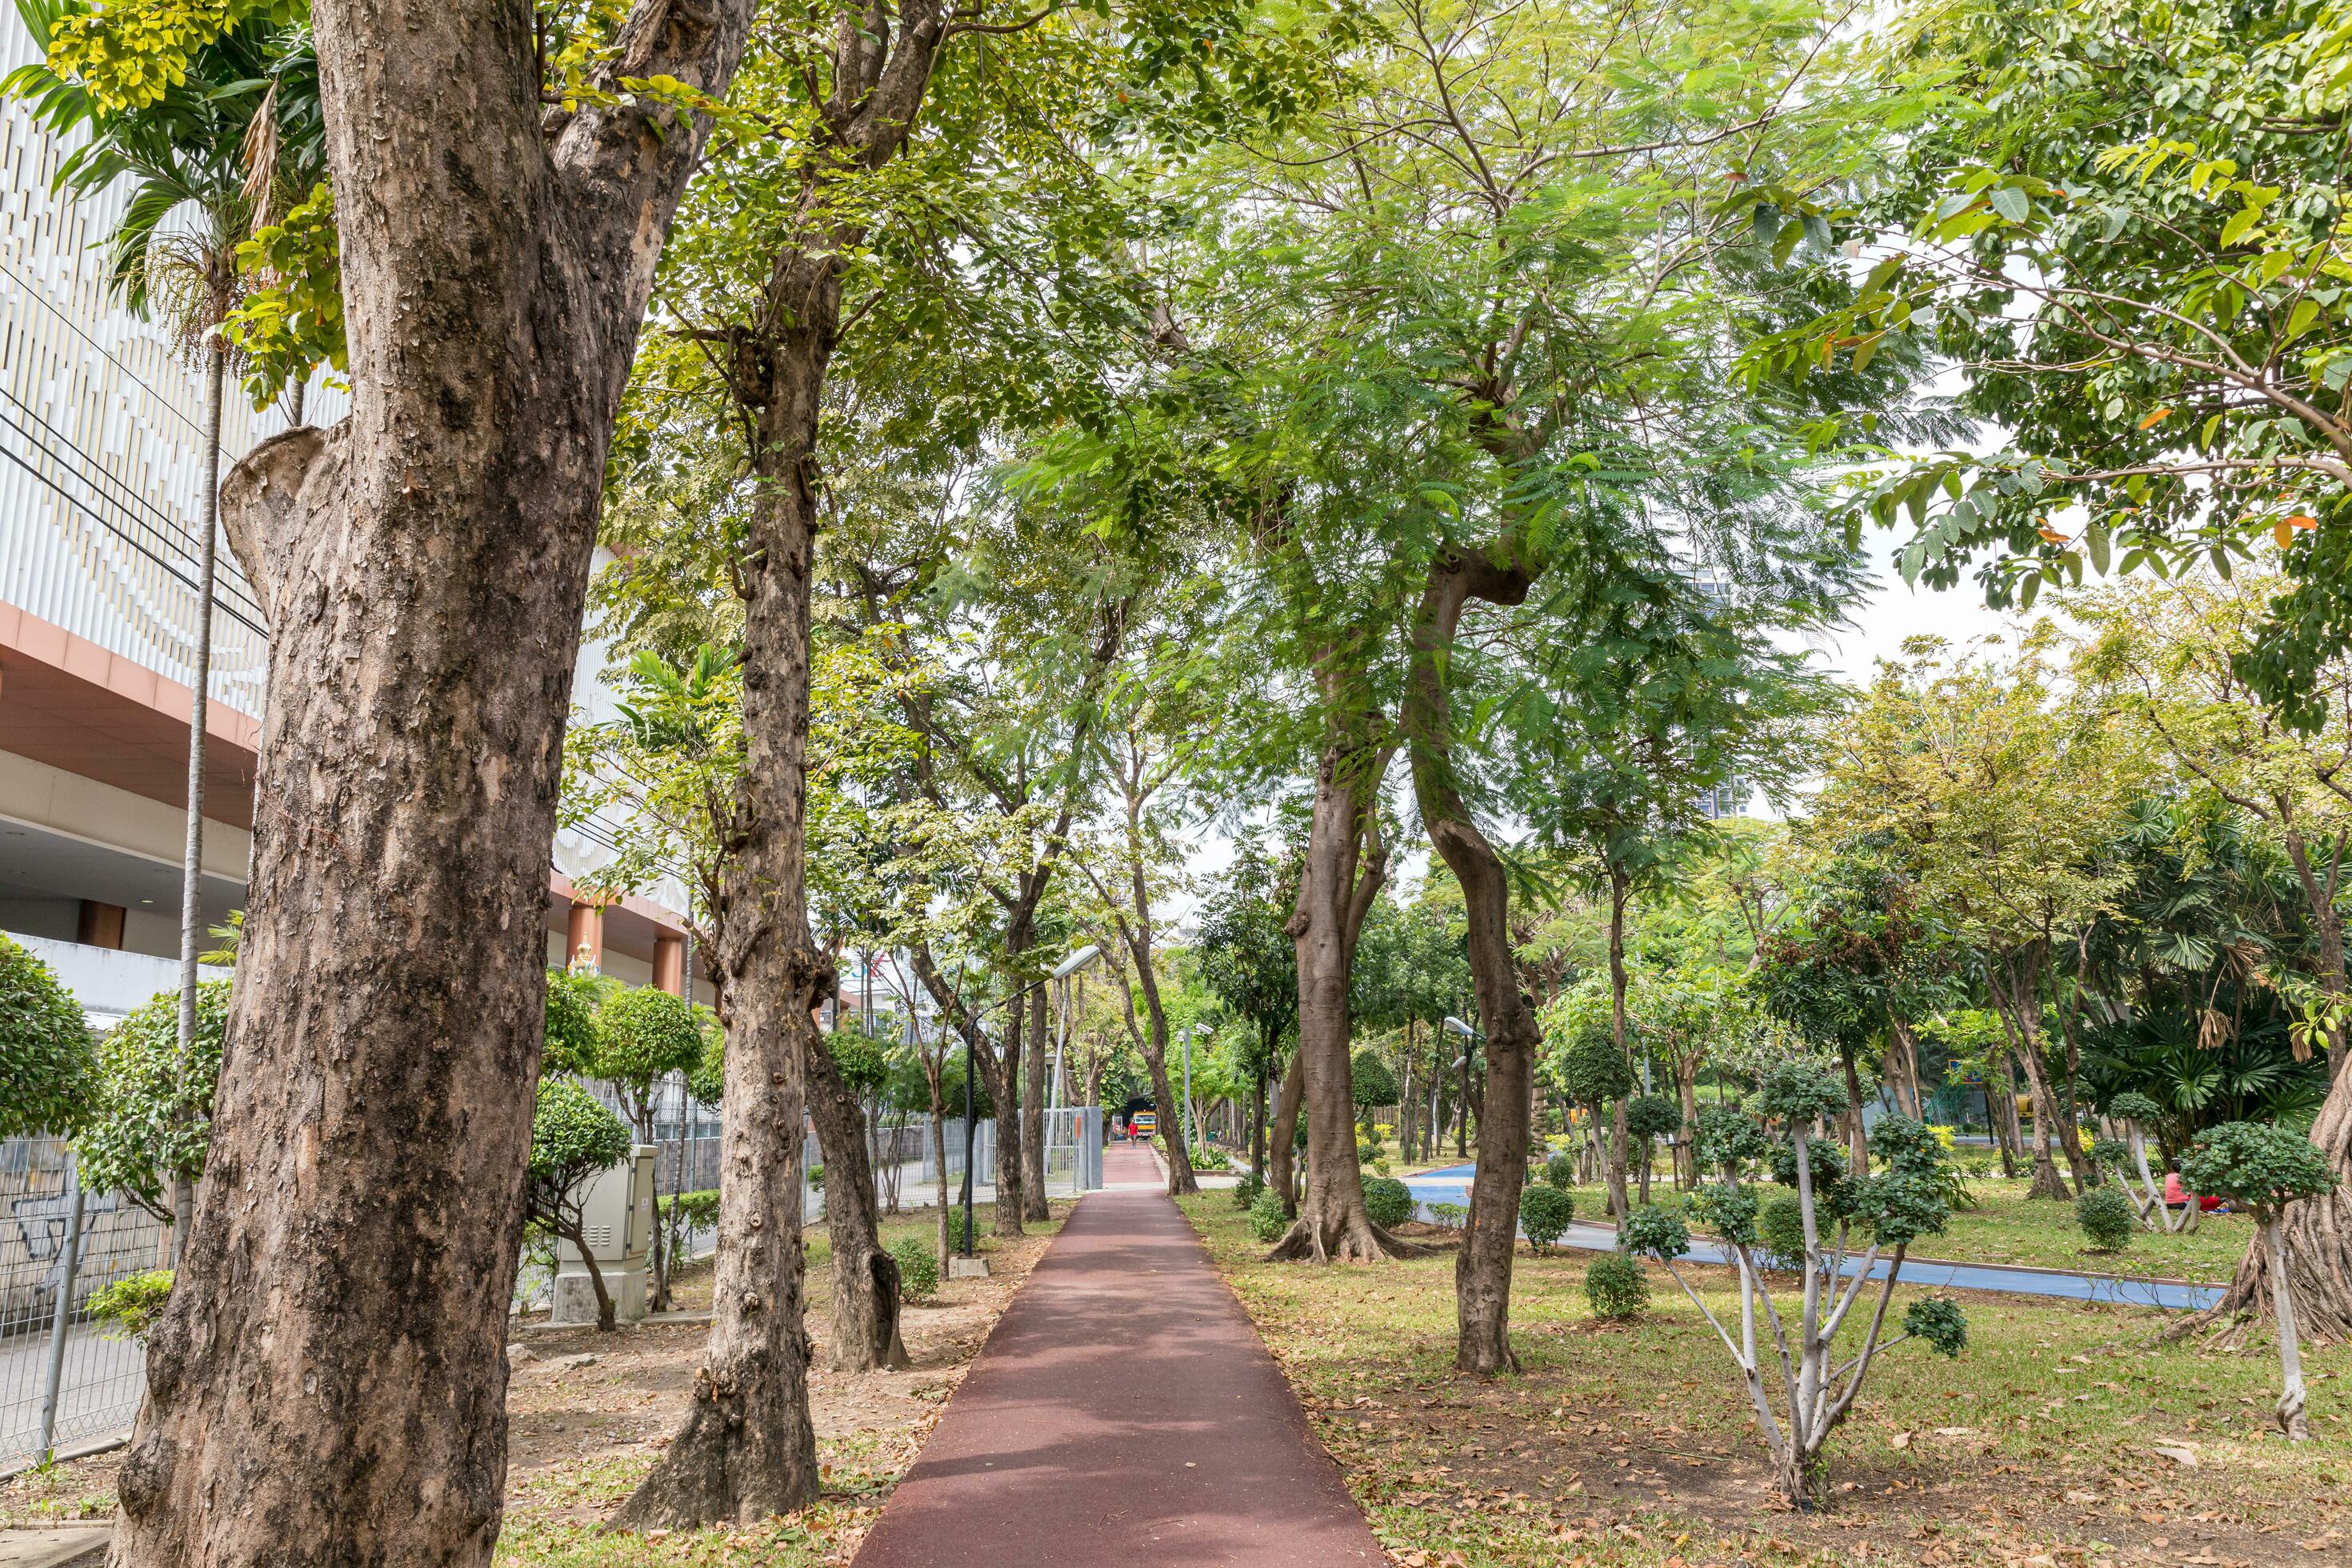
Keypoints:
pixel 1462 1123
pixel 1192 1130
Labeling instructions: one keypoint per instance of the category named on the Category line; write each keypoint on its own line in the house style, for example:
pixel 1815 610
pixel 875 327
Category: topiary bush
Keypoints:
pixel 1781 1230
pixel 1544 1215
pixel 1616 1287
pixel 2107 1218
pixel 47 1071
pixel 918 1268
pixel 1246 1190
pixel 1449 1217
pixel 1266 1219
pixel 1388 1201
pixel 1560 1171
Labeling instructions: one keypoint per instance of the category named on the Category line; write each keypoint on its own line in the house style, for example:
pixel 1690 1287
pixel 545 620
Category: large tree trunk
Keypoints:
pixel 1482 1268
pixel 327 1386
pixel 1033 1117
pixel 865 1277
pixel 1344 864
pixel 747 1449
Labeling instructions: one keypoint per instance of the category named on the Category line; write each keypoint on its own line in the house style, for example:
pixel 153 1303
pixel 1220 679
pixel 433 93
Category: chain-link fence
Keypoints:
pixel 65 1383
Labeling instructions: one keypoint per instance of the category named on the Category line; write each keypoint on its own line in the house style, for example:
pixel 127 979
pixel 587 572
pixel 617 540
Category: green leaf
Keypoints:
pixel 2012 204
pixel 2094 541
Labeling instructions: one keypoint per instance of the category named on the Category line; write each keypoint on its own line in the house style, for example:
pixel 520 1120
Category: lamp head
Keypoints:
pixel 1076 961
pixel 1455 1026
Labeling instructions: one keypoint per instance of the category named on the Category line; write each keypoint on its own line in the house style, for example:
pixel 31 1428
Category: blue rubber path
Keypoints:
pixel 1451 1184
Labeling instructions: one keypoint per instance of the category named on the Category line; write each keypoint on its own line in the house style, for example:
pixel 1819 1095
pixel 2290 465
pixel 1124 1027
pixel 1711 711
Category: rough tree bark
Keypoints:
pixel 1344 866
pixel 1033 1116
pixel 746 1449
pixel 1482 1268
pixel 865 1277
pixel 1003 1067
pixel 1282 1159
pixel 327 1386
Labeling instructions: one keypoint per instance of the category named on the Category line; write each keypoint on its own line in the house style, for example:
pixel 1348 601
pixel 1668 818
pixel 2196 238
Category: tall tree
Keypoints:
pixel 422 569
pixel 208 155
pixel 2173 659
pixel 1999 798
pixel 1248 961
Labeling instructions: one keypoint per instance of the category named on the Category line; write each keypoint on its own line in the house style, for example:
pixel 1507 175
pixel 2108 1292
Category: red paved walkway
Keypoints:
pixel 1124 1411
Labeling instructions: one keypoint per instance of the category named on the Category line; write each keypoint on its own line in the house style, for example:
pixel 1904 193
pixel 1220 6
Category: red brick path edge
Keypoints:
pixel 1124 1411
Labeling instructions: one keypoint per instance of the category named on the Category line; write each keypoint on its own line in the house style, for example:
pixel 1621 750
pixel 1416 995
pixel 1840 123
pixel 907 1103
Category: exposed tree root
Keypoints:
pixel 1350 1239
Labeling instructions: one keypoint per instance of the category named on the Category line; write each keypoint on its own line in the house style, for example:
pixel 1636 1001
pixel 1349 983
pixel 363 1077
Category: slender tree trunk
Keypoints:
pixel 1033 1117
pixel 2009 976
pixel 192 859
pixel 1343 867
pixel 1282 1159
pixel 1857 1139
pixel 865 1276
pixel 1257 1108
pixel 328 1384
pixel 1903 1067
pixel 1482 1267
pixel 1619 889
pixel 1686 1067
pixel 1003 1068
pixel 606 1319
pixel 1405 1104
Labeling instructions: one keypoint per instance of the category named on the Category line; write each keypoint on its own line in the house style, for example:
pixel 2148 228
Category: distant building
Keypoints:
pixel 102 431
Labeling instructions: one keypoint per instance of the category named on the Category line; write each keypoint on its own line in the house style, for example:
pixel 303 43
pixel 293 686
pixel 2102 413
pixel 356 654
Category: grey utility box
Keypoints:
pixel 619 1215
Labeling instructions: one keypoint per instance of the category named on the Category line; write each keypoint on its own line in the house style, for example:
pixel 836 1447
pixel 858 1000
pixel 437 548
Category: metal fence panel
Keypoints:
pixel 98 1379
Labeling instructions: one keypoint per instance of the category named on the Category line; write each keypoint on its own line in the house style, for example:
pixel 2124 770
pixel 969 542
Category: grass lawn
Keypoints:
pixel 1632 1445
pixel 2005 1226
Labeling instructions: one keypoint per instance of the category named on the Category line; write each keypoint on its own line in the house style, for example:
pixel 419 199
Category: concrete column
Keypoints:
pixel 669 964
pixel 586 929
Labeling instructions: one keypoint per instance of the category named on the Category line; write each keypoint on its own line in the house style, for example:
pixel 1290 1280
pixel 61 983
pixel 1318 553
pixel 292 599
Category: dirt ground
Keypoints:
pixel 588 1411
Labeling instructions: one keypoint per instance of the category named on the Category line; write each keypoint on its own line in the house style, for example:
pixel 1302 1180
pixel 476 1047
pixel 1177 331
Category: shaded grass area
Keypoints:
pixel 1634 1446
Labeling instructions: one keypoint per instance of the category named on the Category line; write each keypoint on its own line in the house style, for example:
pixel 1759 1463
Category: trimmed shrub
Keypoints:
pixel 1616 1287
pixel 1560 1171
pixel 2107 1218
pixel 1450 1216
pixel 918 1268
pixel 1781 1228
pixel 1246 1190
pixel 1544 1215
pixel 49 1074
pixel 1266 1219
pixel 696 1211
pixel 1388 1201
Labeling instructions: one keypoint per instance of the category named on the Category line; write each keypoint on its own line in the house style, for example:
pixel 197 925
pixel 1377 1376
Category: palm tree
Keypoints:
pixel 208 162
